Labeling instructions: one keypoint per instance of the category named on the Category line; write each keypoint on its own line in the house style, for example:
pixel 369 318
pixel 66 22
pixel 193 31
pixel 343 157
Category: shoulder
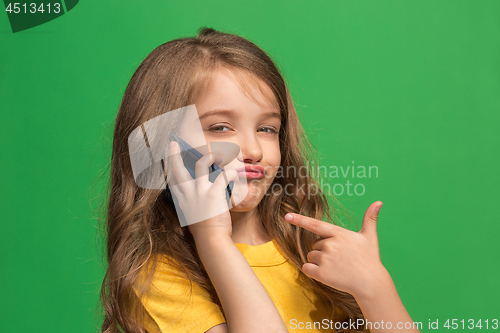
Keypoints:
pixel 176 303
pixel 163 277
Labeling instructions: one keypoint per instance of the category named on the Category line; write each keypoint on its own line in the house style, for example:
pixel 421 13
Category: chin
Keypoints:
pixel 246 205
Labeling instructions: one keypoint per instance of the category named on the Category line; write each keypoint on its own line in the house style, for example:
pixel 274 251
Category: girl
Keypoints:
pixel 269 264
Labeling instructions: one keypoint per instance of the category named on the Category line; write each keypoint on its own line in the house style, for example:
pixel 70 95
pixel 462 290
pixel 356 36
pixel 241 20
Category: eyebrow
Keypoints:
pixel 271 114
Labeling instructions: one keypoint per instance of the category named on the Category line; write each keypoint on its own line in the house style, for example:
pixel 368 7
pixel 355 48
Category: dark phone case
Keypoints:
pixel 190 156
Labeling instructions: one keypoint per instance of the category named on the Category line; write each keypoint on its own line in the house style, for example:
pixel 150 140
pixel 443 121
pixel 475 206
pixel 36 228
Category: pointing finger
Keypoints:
pixel 320 228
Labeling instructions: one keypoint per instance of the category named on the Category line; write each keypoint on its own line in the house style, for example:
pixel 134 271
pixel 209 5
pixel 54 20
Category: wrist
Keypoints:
pixel 378 285
pixel 207 238
pixel 215 227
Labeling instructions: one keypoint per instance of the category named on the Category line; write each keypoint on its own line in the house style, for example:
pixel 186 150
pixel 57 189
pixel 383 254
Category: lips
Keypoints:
pixel 252 171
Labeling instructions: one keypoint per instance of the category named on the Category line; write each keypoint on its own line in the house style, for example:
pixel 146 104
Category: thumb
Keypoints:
pixel 369 226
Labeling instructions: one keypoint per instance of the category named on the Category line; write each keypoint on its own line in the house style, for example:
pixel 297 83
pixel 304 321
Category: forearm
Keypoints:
pixel 247 305
pixel 383 308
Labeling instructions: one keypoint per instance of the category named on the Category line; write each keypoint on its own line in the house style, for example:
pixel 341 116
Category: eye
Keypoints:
pixel 218 128
pixel 269 129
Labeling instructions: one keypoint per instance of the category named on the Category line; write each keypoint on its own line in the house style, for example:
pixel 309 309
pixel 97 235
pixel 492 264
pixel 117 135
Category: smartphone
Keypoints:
pixel 190 156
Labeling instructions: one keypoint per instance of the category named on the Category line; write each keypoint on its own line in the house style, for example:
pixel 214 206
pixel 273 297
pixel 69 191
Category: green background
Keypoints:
pixel 412 87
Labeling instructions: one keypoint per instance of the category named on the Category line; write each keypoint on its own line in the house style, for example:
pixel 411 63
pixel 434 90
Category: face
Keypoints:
pixel 249 118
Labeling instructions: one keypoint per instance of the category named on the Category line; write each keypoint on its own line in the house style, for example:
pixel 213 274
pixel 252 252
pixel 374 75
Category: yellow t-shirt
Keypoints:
pixel 171 308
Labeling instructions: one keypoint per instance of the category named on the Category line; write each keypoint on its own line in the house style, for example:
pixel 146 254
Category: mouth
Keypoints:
pixel 252 172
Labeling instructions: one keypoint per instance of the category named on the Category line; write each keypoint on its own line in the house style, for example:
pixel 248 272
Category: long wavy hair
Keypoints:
pixel 142 223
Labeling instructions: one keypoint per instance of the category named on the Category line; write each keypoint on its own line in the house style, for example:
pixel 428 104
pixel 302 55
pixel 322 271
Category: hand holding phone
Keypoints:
pixel 190 156
pixel 194 199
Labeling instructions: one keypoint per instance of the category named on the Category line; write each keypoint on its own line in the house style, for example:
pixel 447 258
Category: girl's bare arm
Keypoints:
pixel 247 305
pixel 383 308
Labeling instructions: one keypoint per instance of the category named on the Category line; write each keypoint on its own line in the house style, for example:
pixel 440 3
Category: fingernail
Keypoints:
pixel 172 143
pixel 378 207
pixel 289 217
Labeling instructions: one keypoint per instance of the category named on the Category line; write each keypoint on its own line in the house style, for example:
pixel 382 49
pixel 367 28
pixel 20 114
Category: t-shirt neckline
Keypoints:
pixel 262 255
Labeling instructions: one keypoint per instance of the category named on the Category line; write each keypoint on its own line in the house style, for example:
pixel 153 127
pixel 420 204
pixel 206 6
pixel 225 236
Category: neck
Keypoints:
pixel 247 228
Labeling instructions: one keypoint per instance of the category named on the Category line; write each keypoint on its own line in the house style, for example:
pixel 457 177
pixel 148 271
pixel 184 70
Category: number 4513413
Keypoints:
pixel 470 324
pixel 32 8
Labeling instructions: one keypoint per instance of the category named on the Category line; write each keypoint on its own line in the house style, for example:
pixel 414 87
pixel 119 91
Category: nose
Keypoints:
pixel 250 149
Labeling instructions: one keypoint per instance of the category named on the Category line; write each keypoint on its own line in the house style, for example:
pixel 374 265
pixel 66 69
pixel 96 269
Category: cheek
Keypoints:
pixel 275 162
pixel 273 155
